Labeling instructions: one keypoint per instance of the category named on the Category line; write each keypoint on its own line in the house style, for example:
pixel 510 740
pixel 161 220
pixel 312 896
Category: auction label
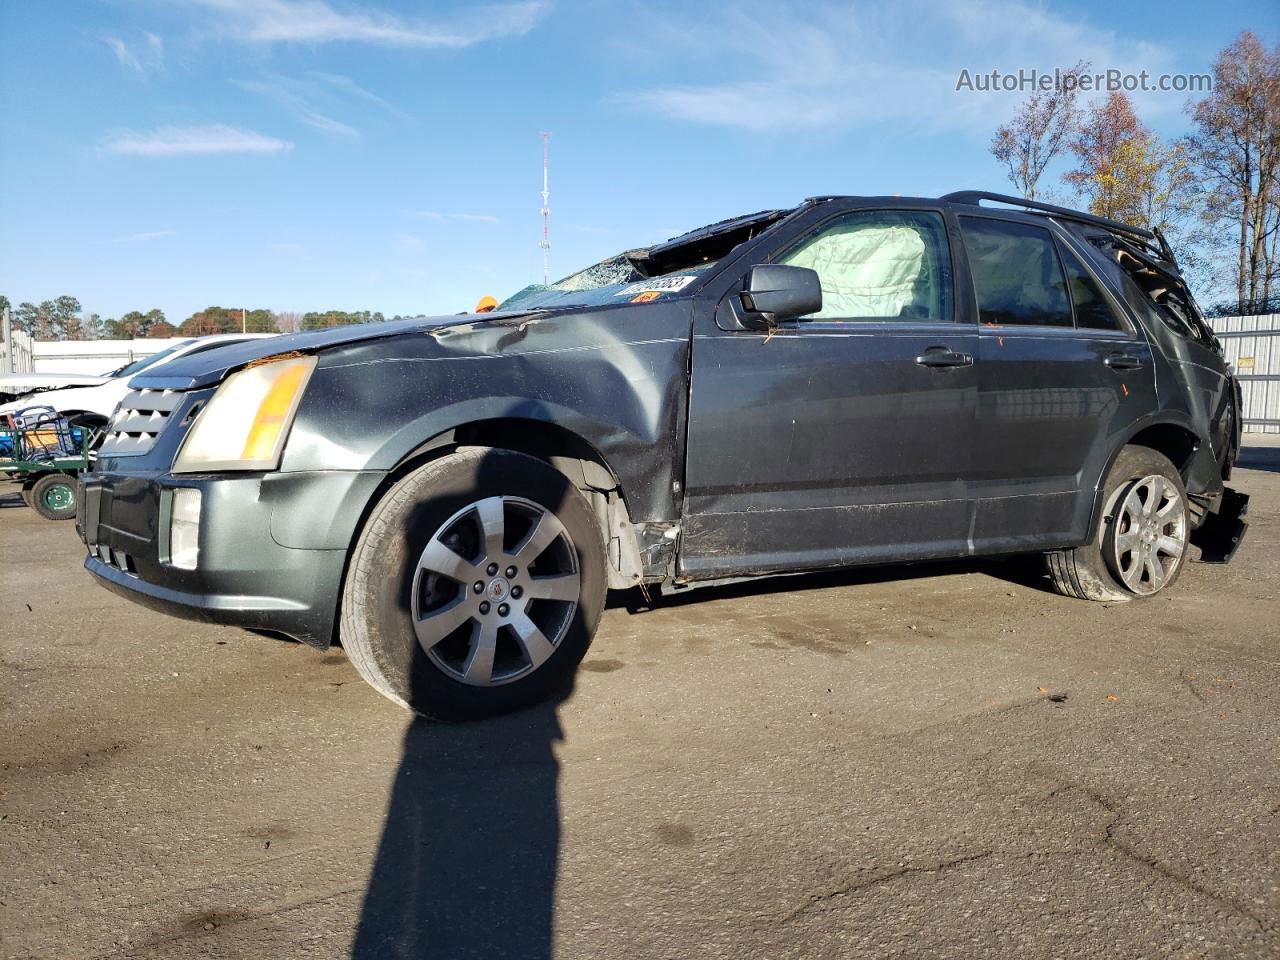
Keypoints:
pixel 656 285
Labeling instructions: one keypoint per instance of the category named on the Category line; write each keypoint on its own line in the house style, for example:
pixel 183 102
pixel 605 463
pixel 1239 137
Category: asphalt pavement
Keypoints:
pixel 925 761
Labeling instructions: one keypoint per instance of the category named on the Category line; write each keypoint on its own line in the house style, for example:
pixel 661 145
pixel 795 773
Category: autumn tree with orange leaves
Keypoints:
pixel 1126 173
pixel 1215 192
pixel 1236 152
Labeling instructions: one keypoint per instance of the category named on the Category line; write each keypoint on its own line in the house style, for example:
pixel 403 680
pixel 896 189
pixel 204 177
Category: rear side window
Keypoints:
pixel 1016 273
pixel 880 265
pixel 1093 312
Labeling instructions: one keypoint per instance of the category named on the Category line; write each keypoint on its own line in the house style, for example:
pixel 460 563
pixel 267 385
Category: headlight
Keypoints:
pixel 244 425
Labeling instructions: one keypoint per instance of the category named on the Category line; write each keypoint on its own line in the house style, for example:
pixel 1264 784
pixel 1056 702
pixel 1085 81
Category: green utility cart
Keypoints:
pixel 39 448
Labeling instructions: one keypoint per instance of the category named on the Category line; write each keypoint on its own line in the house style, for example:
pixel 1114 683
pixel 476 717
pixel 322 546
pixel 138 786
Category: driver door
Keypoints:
pixel 844 436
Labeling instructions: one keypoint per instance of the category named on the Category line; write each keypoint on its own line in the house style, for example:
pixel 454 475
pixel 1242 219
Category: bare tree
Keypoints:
pixel 288 322
pixel 1236 149
pixel 1039 131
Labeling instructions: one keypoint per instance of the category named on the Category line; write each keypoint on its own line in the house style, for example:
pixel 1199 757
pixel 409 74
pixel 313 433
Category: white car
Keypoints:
pixel 99 395
pixel 14 385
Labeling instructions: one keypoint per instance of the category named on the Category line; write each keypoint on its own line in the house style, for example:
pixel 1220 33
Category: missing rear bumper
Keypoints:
pixel 1224 527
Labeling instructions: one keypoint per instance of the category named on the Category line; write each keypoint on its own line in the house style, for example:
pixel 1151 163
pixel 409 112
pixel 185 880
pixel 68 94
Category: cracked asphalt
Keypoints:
pixel 928 761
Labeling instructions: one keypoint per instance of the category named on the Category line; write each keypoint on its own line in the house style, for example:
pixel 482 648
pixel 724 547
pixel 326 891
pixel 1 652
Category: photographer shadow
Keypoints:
pixel 466 866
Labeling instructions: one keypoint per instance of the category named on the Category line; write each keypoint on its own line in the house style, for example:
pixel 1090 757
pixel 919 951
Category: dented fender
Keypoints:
pixel 372 403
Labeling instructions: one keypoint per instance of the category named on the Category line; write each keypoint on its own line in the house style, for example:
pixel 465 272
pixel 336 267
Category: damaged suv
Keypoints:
pixel 854 380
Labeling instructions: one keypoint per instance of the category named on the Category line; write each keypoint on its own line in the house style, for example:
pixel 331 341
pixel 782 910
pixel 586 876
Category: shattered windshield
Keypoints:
pixel 610 281
pixel 647 273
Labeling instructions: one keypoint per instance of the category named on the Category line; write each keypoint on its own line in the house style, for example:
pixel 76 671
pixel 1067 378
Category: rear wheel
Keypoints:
pixel 476 585
pixel 1141 543
pixel 53 496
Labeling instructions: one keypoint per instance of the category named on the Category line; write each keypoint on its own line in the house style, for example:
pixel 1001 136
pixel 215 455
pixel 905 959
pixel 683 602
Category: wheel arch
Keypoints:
pixel 88 418
pixel 1174 437
pixel 562 448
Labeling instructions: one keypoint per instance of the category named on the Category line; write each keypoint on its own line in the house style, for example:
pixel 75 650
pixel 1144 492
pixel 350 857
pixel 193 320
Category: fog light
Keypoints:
pixel 184 528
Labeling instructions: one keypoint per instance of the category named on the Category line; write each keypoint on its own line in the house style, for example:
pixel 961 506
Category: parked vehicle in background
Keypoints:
pixel 15 385
pixel 853 380
pixel 98 396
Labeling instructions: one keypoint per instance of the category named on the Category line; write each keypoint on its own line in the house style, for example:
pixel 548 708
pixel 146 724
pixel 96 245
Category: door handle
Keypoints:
pixel 1123 361
pixel 942 357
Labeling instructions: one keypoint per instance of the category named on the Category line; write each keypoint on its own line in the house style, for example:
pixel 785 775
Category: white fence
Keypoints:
pixel 19 353
pixel 15 351
pixel 1252 345
pixel 91 356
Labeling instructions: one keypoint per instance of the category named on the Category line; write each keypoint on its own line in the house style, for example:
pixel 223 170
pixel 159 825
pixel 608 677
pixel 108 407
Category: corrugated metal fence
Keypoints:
pixel 1252 344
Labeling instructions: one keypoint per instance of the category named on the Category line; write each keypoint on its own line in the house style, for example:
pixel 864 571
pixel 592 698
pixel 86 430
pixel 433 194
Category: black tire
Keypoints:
pixel 377 627
pixel 1093 571
pixel 27 496
pixel 53 496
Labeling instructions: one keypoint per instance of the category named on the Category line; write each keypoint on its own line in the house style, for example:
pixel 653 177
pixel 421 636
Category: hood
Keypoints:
pixel 211 366
pixel 65 398
pixel 26 382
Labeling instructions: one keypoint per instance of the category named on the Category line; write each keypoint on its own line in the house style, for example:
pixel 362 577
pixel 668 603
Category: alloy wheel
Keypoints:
pixel 1148 534
pixel 495 591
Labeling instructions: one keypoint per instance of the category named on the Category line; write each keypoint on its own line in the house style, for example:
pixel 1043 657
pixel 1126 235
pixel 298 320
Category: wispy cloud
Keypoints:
pixel 436 215
pixel 834 65
pixel 144 236
pixel 140 58
pixel 315 99
pixel 123 53
pixel 318 21
pixel 352 89
pixel 407 243
pixel 292 95
pixel 211 139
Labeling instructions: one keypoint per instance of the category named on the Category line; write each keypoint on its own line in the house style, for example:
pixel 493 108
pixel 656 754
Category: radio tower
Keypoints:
pixel 546 216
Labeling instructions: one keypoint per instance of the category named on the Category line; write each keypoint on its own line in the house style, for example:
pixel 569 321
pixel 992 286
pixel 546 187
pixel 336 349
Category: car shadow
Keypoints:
pixel 1259 458
pixel 1026 570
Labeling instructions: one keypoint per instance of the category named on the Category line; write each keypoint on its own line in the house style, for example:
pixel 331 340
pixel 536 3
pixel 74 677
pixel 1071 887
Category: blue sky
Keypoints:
pixel 317 154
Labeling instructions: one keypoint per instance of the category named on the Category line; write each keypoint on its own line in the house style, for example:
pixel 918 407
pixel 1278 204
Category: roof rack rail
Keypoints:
pixel 1066 213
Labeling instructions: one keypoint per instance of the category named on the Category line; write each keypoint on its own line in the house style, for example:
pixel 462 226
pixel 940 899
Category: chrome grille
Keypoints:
pixel 140 418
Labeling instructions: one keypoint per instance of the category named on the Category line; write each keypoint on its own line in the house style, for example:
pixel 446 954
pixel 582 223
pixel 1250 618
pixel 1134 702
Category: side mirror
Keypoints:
pixel 779 292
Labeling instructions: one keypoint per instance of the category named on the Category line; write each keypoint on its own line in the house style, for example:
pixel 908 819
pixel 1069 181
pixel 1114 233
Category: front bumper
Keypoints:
pixel 273 547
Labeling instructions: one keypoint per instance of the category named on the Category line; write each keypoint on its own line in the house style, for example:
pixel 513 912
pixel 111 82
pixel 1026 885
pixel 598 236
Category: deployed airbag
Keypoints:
pixel 866 271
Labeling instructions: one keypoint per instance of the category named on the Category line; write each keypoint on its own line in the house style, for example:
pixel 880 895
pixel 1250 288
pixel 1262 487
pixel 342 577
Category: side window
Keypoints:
pixel 1093 312
pixel 1016 273
pixel 880 265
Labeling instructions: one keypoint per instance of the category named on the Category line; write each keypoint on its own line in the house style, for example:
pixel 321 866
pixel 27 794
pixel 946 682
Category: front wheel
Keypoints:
pixel 1141 543
pixel 475 586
